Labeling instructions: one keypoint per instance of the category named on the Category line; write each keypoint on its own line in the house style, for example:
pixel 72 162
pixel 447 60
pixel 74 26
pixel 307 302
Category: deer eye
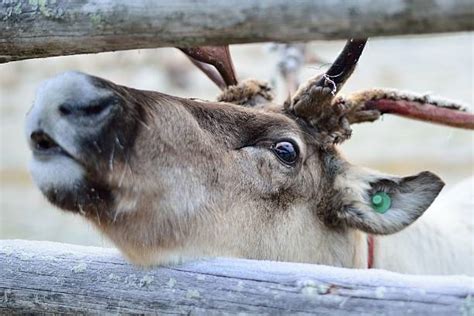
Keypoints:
pixel 286 151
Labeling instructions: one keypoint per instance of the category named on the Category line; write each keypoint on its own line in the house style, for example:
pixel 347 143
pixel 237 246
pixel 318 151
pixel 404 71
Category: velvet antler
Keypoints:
pixel 315 98
pixel 316 102
pixel 247 93
pixel 369 105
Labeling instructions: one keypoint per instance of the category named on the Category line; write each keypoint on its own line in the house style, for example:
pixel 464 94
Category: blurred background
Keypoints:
pixel 438 64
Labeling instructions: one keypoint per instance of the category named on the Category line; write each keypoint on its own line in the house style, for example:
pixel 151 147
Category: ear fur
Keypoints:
pixel 410 197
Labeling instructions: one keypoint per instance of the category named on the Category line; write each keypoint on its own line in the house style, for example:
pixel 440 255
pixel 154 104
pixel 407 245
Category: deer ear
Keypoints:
pixel 381 204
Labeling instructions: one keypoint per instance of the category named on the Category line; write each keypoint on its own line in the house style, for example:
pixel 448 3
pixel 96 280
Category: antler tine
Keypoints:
pixel 217 56
pixel 369 105
pixel 311 100
pixel 210 72
pixel 344 65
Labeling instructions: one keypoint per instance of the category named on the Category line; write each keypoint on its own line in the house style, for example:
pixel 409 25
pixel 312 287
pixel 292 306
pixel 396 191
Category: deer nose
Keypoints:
pixel 91 109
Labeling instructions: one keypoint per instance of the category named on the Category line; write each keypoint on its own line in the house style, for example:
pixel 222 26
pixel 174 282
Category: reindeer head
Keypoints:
pixel 166 177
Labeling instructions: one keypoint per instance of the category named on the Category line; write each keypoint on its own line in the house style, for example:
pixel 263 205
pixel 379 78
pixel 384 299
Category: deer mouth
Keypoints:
pixel 63 178
pixel 44 146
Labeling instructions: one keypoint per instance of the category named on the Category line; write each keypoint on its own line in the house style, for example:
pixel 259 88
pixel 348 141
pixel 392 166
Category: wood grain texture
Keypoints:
pixel 46 277
pixel 42 28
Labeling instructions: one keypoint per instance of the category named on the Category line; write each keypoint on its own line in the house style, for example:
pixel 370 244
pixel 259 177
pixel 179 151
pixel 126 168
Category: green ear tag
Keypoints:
pixel 381 202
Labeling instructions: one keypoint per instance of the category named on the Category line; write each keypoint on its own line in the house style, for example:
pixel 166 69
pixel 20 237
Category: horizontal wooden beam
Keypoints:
pixel 46 277
pixel 42 28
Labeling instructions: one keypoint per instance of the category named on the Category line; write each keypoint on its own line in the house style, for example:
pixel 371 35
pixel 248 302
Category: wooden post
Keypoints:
pixel 46 277
pixel 42 28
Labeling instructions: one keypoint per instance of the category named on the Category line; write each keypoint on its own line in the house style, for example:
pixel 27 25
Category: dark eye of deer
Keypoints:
pixel 286 152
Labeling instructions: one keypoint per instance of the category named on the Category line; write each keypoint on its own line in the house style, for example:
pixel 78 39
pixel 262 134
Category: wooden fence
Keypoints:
pixel 42 28
pixel 46 277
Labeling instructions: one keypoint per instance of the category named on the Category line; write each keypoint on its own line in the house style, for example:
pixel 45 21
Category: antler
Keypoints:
pixel 315 101
pixel 367 106
pixel 223 74
pixel 345 63
pixel 317 95
pixel 247 93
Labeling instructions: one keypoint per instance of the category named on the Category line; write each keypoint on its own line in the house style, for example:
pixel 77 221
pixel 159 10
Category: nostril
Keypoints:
pixel 95 108
pixel 65 109
pixel 42 141
pixel 91 108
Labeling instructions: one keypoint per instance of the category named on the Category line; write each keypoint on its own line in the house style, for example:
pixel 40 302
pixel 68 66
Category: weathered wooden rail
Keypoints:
pixel 42 28
pixel 46 277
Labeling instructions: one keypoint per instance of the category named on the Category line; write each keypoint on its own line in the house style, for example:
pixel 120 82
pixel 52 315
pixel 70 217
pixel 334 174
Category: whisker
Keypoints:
pixel 122 177
pixel 81 210
pixel 112 157
pixel 115 216
pixel 97 214
pixel 127 162
pixel 97 147
pixel 117 140
pixel 144 124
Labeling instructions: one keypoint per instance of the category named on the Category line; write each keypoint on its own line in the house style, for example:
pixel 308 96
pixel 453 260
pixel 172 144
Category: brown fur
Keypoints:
pixel 188 179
